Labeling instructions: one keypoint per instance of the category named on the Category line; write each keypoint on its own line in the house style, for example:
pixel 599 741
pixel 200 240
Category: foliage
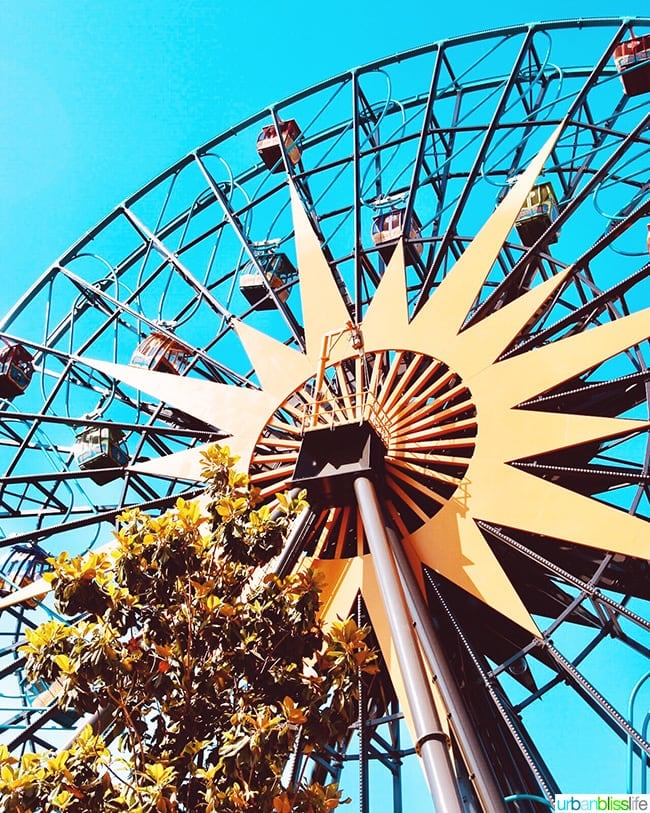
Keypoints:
pixel 212 665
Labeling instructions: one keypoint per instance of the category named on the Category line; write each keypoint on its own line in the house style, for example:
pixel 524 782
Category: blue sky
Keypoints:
pixel 99 97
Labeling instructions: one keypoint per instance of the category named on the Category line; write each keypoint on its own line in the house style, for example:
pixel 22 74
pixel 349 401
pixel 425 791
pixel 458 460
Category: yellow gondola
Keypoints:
pixel 537 214
pixel 100 450
pixel 278 270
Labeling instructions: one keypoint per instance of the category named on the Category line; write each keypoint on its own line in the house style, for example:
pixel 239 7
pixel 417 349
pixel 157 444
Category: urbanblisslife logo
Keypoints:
pixel 602 801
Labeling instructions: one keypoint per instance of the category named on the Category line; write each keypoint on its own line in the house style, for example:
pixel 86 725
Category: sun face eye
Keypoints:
pixel 442 295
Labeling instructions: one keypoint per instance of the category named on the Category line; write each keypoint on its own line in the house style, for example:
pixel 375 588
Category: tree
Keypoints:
pixel 214 668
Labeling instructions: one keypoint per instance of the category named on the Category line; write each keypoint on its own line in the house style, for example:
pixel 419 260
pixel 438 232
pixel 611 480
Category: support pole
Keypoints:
pixel 477 765
pixel 431 740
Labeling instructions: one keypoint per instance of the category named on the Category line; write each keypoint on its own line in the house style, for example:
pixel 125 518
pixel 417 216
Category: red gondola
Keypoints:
pixel 161 353
pixel 537 214
pixel 388 227
pixel 632 59
pixel 278 269
pixel 268 144
pixel 16 369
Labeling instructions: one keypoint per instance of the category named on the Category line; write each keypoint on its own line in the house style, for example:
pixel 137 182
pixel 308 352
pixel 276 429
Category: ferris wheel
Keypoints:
pixel 419 290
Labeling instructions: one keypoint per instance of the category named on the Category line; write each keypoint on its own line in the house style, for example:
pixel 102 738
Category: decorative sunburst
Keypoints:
pixel 445 407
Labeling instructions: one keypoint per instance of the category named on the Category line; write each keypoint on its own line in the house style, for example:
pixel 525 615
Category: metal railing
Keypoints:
pixel 338 410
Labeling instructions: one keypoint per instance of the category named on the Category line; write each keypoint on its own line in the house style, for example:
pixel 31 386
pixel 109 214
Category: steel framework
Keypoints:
pixel 438 136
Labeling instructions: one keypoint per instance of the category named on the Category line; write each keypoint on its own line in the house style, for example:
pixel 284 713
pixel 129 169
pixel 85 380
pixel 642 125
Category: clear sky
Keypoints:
pixel 98 97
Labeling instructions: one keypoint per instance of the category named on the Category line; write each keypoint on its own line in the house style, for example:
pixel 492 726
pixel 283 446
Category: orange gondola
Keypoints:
pixel 161 353
pixel 268 144
pixel 16 369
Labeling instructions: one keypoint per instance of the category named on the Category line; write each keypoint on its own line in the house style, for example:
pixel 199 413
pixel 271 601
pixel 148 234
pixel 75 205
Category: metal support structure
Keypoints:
pixel 478 768
pixel 630 744
pixel 247 246
pixel 544 781
pixel 398 800
pixel 431 740
pixel 289 553
pixel 423 126
pixel 449 233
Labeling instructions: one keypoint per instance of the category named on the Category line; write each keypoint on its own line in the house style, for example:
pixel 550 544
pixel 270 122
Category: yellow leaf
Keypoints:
pixel 224 507
pixel 56 764
pixel 284 502
pixel 5 756
pixel 65 664
pixel 156 771
pixel 63 799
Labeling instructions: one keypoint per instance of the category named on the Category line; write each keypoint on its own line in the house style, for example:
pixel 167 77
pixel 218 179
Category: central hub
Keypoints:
pixel 403 419
pixel 331 459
